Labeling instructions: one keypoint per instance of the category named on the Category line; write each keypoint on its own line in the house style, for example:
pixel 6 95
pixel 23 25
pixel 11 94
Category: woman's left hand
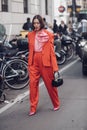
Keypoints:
pixel 56 75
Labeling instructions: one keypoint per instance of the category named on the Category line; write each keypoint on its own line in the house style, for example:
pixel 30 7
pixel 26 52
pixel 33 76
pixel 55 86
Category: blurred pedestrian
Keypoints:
pixel 50 29
pixel 55 26
pixel 41 63
pixel 27 25
pixel 69 28
pixel 45 23
pixel 63 27
pixel 70 24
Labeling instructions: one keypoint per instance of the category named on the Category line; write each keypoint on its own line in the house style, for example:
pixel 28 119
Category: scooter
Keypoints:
pixel 60 53
pixel 67 46
pixel 84 58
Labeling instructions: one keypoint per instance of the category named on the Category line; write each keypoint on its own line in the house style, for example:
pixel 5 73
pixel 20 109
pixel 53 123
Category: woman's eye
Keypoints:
pixel 36 23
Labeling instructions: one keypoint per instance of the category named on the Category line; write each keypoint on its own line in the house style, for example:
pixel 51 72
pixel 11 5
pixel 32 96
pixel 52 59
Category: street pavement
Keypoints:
pixel 72 114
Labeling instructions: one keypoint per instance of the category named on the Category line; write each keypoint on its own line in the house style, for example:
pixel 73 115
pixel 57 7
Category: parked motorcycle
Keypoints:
pixel 78 42
pixel 13 68
pixel 18 46
pixel 83 47
pixel 67 46
pixel 59 52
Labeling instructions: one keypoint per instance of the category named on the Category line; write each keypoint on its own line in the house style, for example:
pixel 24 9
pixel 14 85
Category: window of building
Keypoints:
pixel 46 7
pixel 25 6
pixel 4 5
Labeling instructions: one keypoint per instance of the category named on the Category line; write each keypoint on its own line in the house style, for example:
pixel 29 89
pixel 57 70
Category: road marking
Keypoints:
pixel 23 95
pixel 68 66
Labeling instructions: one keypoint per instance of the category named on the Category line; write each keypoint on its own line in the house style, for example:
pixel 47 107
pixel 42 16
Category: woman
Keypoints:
pixel 41 63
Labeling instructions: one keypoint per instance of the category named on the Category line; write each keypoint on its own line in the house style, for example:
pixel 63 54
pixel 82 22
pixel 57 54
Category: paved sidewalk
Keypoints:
pixel 12 94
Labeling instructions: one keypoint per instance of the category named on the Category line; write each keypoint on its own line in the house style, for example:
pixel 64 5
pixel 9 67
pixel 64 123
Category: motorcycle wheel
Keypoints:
pixel 69 49
pixel 60 60
pixel 13 80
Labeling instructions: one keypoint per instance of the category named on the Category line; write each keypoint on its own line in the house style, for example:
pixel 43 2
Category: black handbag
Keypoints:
pixel 58 82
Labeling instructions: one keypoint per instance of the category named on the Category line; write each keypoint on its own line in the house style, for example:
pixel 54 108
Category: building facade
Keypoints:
pixel 13 13
pixel 81 3
pixel 58 14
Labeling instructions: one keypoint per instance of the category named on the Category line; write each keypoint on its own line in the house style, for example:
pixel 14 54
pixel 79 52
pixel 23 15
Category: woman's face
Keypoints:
pixel 36 24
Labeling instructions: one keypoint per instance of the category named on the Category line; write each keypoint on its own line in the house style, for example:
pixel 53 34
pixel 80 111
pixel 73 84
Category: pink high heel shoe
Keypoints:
pixel 56 108
pixel 32 113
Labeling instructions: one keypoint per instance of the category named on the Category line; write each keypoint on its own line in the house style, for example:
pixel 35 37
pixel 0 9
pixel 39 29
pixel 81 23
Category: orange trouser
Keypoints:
pixel 36 71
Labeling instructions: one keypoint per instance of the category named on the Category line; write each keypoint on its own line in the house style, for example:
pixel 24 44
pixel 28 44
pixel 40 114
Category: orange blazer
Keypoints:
pixel 48 54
